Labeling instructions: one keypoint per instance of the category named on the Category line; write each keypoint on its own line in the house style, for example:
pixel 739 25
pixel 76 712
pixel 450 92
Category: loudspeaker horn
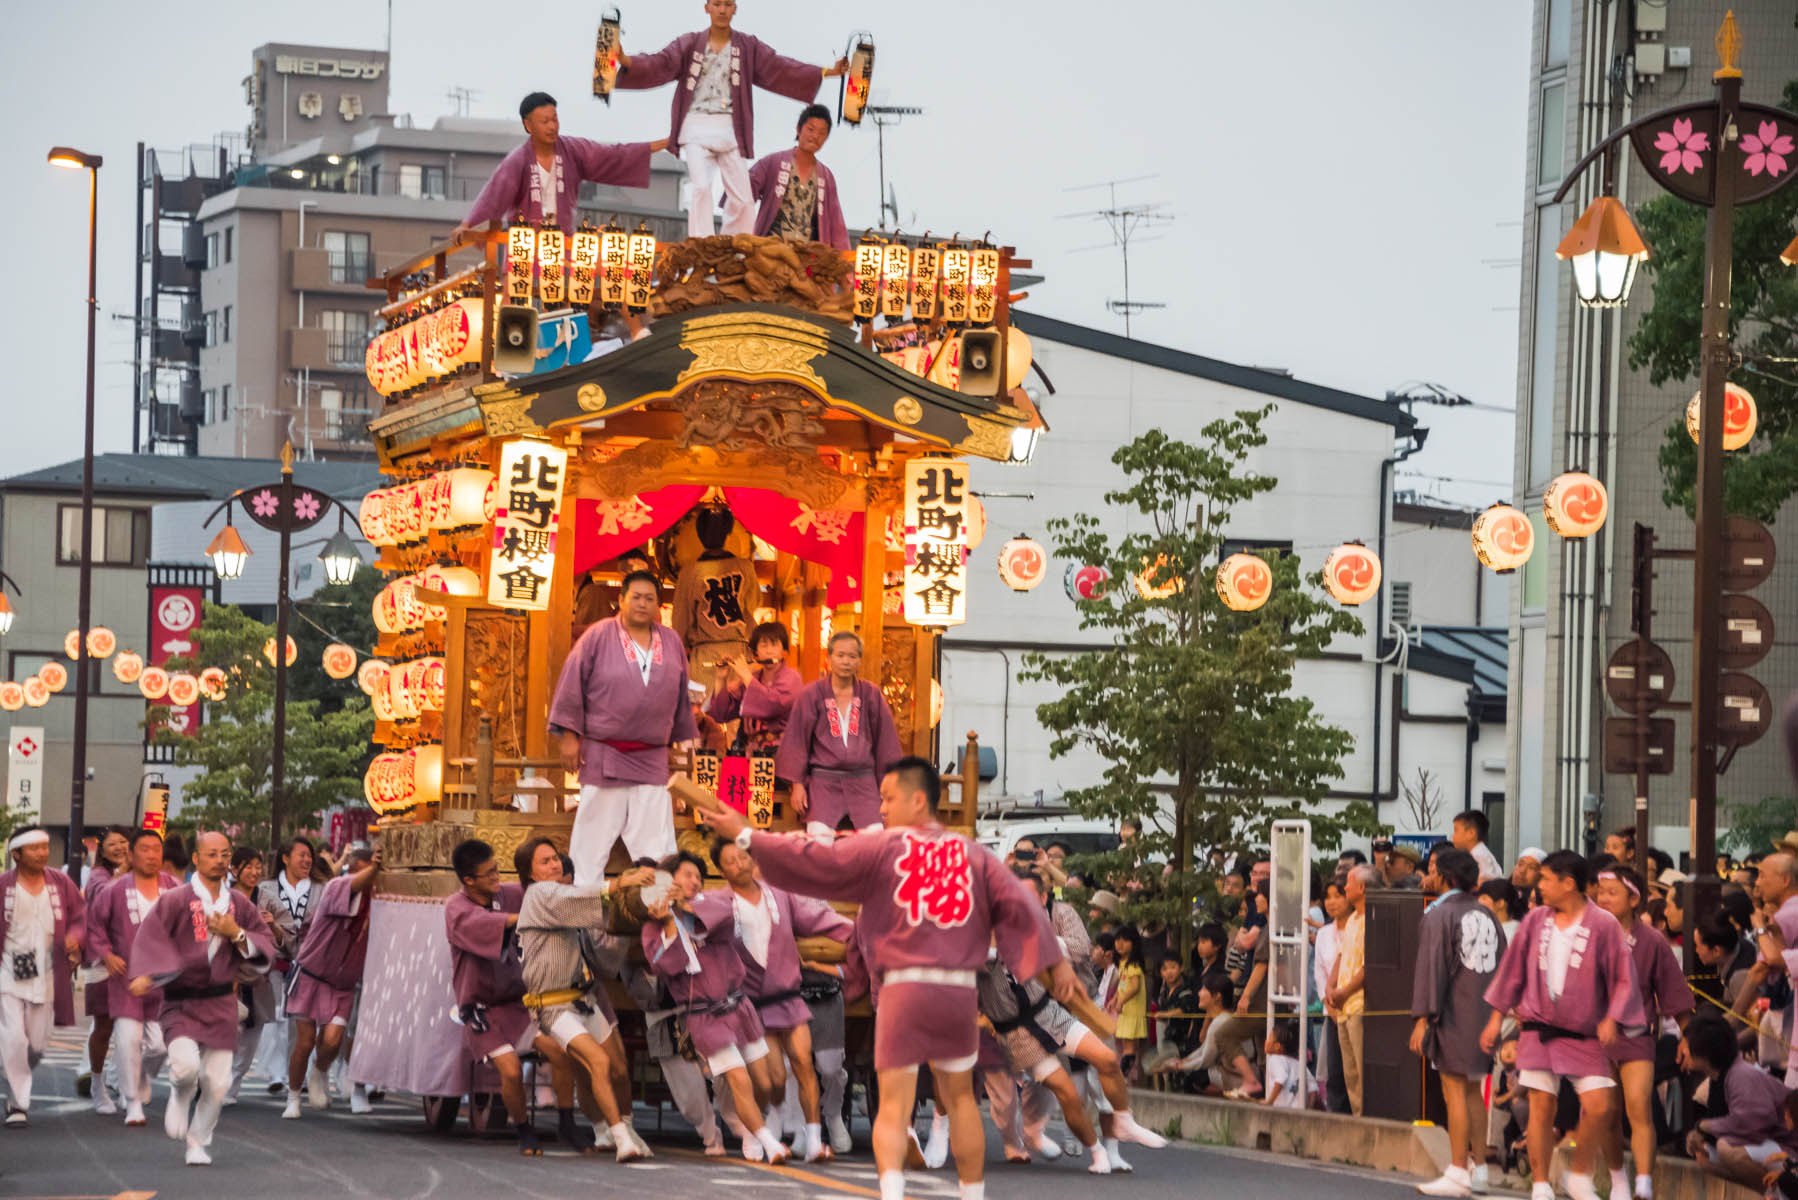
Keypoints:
pixel 515 339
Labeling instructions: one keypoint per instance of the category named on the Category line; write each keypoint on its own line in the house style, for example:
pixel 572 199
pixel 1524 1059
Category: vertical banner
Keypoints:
pixel 733 783
pixel 25 774
pixel 936 541
pixel 156 807
pixel 954 290
pixel 524 525
pixel 705 769
pixel 174 617
pixel 761 790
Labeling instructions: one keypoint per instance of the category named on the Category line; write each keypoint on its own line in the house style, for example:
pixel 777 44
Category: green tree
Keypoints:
pixel 337 612
pixel 1756 825
pixel 327 752
pixel 1763 327
pixel 1193 703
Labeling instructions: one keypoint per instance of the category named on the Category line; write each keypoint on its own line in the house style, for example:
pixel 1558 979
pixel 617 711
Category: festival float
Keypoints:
pixel 785 431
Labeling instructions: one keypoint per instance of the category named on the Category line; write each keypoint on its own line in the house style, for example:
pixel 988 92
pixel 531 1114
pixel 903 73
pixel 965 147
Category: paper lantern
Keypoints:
pixel 371 676
pixel 1741 417
pixel 153 683
pixel 895 271
pixel 1157 580
pixel 473 496
pixel 12 696
pixel 1352 573
pixel 1085 582
pixel 372 517
pixel 184 689
pixel 983 285
pixel 434 496
pixel 101 642
pixel 339 660
pixel 127 667
pixel 268 651
pixel 1575 505
pixel 382 784
pixel 427 774
pixel 936 703
pixel 866 280
pixel 1023 564
pixel 71 644
pixel 407 605
pixel 54 675
pixel 583 264
pixel 434 680
pixel 552 278
pixel 36 694
pixel 521 256
pixel 642 261
pixel 212 683
pixel 974 527
pixel 1503 538
pixel 1244 582
pixel 400 696
pixel 386 611
pixel 381 700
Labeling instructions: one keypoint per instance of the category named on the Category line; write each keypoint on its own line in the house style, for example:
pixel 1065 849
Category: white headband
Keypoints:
pixel 31 837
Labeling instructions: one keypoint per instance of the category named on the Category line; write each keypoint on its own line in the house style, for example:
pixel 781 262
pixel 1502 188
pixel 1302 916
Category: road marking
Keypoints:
pixel 789 1172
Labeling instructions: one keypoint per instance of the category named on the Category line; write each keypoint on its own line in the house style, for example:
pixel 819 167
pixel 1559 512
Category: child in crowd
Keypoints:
pixel 1289 1084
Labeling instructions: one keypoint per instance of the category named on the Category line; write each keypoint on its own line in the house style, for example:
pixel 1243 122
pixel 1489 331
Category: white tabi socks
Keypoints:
pixel 974 1191
pixel 892 1185
pixel 771 1145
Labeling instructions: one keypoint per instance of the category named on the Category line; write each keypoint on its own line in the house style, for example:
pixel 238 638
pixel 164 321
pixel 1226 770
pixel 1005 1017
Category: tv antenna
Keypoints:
pixel 463 98
pixel 884 115
pixel 1124 221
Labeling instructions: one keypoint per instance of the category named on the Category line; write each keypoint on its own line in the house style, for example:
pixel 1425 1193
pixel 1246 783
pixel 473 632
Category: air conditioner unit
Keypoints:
pixel 1401 602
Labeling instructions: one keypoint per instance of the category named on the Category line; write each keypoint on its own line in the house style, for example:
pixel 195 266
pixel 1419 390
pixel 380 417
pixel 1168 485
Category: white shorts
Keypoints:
pixel 343 1022
pixel 570 1024
pixel 1072 1037
pixel 732 1058
pixel 955 1066
pixel 499 1052
pixel 1548 1081
pixel 1047 1066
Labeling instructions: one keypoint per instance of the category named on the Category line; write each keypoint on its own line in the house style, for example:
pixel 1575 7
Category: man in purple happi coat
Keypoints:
pixel 43 930
pixel 488 974
pixel 1568 977
pixel 197 944
pixel 695 950
pixel 112 924
pixel 620 703
pixel 321 988
pixel 840 739
pixel 541 180
pixel 797 194
pixel 769 924
pixel 715 72
pixel 932 902
pixel 761 695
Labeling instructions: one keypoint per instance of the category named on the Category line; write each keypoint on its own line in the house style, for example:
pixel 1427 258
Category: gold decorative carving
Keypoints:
pixel 495 667
pixel 1729 48
pixel 987 439
pixel 744 269
pixel 647 467
pixel 907 410
pixel 736 415
pixel 743 349
pixel 507 415
pixel 591 397
pixel 898 651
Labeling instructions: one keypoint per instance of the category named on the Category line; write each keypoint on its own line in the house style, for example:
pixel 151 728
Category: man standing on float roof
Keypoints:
pixel 797 194
pixel 715 72
pixel 541 180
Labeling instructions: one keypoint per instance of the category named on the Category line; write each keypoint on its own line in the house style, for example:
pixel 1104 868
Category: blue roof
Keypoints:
pixel 1485 651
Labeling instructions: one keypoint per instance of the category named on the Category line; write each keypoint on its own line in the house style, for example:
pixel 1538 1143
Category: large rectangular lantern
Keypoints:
pixel 936 541
pixel 521 254
pixel 525 521
pixel 924 263
pixel 583 267
pixel 954 292
pixel 551 263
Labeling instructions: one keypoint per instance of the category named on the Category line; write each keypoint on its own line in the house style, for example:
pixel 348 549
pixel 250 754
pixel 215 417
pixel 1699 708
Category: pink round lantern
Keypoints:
pixel 12 696
pixel 184 689
pixel 1503 538
pixel 212 683
pixel 339 660
pixel 36 694
pixel 1023 564
pixel 54 675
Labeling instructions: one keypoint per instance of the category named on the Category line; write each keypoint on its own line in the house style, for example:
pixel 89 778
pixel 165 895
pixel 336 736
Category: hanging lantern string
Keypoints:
pixel 360 657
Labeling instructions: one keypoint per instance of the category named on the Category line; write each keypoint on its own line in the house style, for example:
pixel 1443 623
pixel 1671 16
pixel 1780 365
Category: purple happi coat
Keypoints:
pixel 773 986
pixel 1600 984
pixel 764 706
pixel 768 180
pixel 719 1014
pixel 329 964
pixel 932 902
pixel 171 948
pixel 487 971
pixel 507 196
pixel 839 778
pixel 95 1001
pixel 112 929
pixel 1660 985
pixel 755 65
pixel 625 725
pixel 69 912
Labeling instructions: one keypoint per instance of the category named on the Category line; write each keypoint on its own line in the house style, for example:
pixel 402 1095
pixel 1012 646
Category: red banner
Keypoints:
pixel 604 529
pixel 830 537
pixel 174 618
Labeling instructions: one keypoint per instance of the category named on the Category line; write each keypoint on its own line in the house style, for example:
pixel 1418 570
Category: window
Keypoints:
pixel 224 402
pixel 433 183
pixel 121 536
pixel 343 415
pixel 352 261
pixel 209 405
pixel 411 181
pixel 212 250
pixel 346 336
pixel 210 326
pixel 228 232
pixel 1557 36
pixel 225 324
pixel 1551 136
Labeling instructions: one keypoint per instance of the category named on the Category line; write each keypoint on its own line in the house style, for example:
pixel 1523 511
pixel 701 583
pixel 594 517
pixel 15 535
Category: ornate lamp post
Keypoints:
pixel 287 508
pixel 1719 153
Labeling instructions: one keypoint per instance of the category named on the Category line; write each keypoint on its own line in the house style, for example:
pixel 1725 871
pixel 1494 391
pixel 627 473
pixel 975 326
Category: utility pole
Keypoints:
pixel 884 115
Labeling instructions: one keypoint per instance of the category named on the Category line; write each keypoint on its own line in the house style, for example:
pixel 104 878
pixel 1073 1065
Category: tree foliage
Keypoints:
pixel 1763 326
pixel 337 612
pixel 1192 707
pixel 327 751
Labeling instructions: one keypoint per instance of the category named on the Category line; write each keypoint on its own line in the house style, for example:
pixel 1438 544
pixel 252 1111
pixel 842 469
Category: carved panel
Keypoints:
pixel 701 272
pixel 735 415
pixel 509 415
pixel 494 672
pixel 898 652
pixel 653 465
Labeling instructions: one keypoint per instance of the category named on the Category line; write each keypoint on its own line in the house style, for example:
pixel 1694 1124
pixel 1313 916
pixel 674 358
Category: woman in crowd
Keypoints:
pixel 112 859
pixel 1499 896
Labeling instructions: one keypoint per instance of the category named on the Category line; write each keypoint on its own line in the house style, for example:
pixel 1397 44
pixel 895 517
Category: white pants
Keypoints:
pixel 272 1047
pixel 24 1036
pixel 832 1079
pixel 243 1059
pixel 641 813
pixel 206 1073
pixel 708 144
pixel 687 1086
pixel 139 1052
pixel 1020 1123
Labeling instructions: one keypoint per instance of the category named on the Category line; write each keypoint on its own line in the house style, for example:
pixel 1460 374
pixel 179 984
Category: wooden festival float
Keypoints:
pixel 720 405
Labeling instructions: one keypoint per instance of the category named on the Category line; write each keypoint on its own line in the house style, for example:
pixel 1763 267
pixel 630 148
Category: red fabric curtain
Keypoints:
pixel 604 529
pixel 829 537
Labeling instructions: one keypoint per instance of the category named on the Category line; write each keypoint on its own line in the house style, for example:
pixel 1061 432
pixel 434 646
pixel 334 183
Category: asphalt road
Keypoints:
pixel 69 1151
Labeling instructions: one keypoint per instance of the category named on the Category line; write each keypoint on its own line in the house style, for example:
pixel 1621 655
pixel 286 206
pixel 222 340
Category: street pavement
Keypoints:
pixel 69 1151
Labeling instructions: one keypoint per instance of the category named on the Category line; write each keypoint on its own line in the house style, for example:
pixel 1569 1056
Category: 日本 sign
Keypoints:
pixel 523 557
pixel 936 542
pixel 25 773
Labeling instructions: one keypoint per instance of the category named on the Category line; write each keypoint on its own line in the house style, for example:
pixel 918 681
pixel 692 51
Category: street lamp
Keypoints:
pixel 6 613
pixel 64 156
pixel 286 508
pixel 1714 153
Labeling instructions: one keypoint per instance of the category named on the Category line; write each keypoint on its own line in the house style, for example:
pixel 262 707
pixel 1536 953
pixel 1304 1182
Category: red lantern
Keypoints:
pixel 153 683
pixel 127 667
pixel 36 694
pixel 372 517
pixel 1085 582
pixel 1575 505
pixel 1244 582
pixel 71 644
pixel 433 680
pixel 1740 416
pixel 54 675
pixel 268 651
pixel 371 676
pixel 184 689
pixel 12 696
pixel 1352 573
pixel 1157 580
pixel 339 660
pixel 1503 538
pixel 101 642
pixel 1023 564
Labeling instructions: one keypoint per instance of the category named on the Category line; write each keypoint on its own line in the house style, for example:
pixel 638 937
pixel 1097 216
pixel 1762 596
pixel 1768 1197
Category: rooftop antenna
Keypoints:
pixel 1124 221
pixel 463 98
pixel 884 115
